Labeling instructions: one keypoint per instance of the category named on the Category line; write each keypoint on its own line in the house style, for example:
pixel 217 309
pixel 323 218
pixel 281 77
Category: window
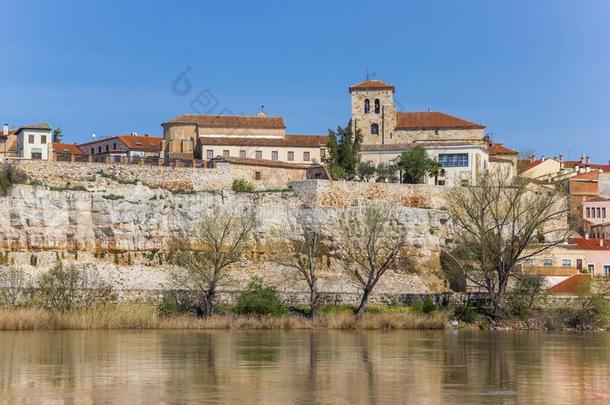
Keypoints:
pixel 588 212
pixel 436 132
pixel 566 263
pixel 548 263
pixel 306 156
pixel 290 156
pixel 114 146
pixel 591 268
pixel 36 153
pixel 377 106
pixel 273 155
pixel 257 176
pixel 99 149
pixel 242 153
pixel 107 148
pixel 606 271
pixel 374 129
pixel 93 151
pixel 43 139
pixel 453 159
pixel 579 264
pixel 30 139
pixel 259 154
pixel 209 153
pixel 599 212
pixel 226 153
pixel 603 212
pixel 592 212
pixel 465 182
pixel 191 145
pixel 367 106
pixel 529 262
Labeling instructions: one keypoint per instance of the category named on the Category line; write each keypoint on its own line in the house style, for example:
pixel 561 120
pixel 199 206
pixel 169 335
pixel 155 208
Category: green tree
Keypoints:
pixel 57 136
pixel 366 171
pixel 386 173
pixel 344 151
pixel 415 164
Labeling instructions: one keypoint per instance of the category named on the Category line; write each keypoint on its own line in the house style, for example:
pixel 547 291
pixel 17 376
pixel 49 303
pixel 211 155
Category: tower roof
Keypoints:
pixel 371 85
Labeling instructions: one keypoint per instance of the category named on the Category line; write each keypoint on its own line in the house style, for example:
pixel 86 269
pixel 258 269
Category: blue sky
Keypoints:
pixel 535 72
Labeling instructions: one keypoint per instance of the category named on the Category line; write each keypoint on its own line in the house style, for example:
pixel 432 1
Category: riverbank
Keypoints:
pixel 138 317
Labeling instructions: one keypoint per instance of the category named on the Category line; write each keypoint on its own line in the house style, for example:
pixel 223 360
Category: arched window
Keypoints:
pixel 377 106
pixel 374 129
pixel 367 106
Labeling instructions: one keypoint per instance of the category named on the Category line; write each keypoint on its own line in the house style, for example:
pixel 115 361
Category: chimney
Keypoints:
pixel 5 129
pixel 532 158
pixel 588 160
pixel 560 162
pixel 542 158
pixel 601 243
pixel 587 235
pixel 583 158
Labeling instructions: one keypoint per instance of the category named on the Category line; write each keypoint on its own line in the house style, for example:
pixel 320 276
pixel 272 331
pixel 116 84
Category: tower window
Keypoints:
pixel 367 106
pixel 374 129
pixel 377 106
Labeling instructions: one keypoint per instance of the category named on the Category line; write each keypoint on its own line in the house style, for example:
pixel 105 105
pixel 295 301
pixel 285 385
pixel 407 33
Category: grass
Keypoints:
pixel 112 197
pixel 131 316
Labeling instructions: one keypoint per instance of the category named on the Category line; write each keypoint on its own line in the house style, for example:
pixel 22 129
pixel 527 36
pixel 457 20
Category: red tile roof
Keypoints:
pixel 592 244
pixel 289 140
pixel 432 120
pixel 137 142
pixel 586 176
pixel 231 121
pixel 499 149
pixel 576 284
pixel 371 85
pixel 572 163
pixel 67 148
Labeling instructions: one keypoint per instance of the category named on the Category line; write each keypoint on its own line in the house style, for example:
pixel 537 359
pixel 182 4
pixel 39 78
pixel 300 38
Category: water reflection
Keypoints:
pixel 304 367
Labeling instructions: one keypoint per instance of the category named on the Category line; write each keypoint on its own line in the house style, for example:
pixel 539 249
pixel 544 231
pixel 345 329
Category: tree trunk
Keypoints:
pixel 208 304
pixel 314 301
pixel 363 302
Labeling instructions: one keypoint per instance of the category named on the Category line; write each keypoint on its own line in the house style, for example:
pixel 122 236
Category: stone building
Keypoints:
pixel 117 148
pixel 8 142
pixel 458 145
pixel 258 137
pixel 34 141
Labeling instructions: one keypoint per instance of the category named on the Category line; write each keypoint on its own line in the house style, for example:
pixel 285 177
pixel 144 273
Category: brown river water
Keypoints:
pixel 304 367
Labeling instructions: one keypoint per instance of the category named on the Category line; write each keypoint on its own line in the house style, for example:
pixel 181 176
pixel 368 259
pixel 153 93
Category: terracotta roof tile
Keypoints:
pixel 67 148
pixel 572 163
pixel 432 120
pixel 371 85
pixel 289 140
pixel 586 176
pixel 137 142
pixel 232 121
pixel 576 284
pixel 409 146
pixel 592 244
pixel 499 149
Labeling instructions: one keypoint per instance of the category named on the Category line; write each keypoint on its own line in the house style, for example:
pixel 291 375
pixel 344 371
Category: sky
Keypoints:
pixel 536 73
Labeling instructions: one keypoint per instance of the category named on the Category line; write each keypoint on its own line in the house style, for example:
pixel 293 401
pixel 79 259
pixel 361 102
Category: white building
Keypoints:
pixel 34 141
pixel 462 164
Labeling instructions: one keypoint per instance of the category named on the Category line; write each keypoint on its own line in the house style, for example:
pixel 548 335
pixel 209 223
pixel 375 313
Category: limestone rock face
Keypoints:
pixel 104 227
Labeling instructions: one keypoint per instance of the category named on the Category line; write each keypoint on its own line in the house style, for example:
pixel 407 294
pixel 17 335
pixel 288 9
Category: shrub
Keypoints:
pixel 14 287
pixel 423 307
pixel 242 186
pixel 337 172
pixel 529 293
pixel 66 288
pixel 465 314
pixel 36 183
pixel 260 299
pixel 590 312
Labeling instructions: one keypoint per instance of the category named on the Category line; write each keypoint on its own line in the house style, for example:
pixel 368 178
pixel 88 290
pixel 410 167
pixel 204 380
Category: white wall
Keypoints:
pixel 25 147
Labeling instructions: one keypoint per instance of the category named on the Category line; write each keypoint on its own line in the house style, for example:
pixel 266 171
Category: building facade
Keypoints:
pixel 34 142
pixel 258 137
pixel 117 148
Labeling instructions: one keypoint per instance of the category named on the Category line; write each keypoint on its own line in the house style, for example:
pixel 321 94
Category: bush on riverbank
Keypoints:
pixel 126 316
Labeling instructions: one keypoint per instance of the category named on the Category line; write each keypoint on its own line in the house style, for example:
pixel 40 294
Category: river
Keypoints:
pixel 304 367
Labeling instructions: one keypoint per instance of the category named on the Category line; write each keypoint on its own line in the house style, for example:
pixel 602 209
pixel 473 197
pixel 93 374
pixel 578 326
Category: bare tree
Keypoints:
pixel 13 286
pixel 371 244
pixel 215 244
pixel 300 249
pixel 500 223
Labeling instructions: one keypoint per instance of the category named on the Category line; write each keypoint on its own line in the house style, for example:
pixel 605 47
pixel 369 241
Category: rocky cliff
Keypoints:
pixel 121 229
